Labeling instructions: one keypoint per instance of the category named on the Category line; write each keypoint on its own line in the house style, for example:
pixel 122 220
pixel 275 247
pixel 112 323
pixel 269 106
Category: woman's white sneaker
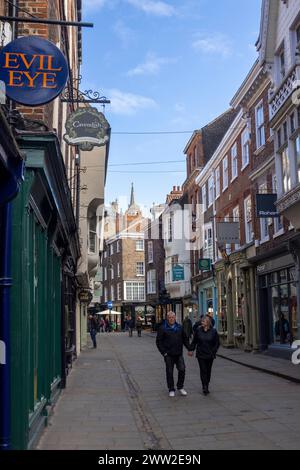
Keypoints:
pixel 182 392
pixel 172 394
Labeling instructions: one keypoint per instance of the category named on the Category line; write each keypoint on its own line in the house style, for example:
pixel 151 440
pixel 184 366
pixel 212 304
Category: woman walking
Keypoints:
pixel 206 342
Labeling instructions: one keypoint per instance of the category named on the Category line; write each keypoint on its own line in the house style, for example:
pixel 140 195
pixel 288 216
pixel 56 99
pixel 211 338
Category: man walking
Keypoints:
pixel 170 340
pixel 93 329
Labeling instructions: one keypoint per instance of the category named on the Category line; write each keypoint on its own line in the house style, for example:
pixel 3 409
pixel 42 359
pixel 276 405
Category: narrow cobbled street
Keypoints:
pixel 117 398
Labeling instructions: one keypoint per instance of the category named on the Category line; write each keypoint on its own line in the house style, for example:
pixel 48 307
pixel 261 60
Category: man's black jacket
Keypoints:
pixel 170 340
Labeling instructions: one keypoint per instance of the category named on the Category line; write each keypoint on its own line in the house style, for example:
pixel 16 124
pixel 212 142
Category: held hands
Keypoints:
pixel 190 353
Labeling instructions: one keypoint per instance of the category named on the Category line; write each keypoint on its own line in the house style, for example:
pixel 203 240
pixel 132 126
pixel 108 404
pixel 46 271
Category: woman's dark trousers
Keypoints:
pixel 205 371
pixel 179 362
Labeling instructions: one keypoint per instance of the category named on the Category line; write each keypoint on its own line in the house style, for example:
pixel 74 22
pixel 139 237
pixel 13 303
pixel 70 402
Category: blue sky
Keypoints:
pixel 165 66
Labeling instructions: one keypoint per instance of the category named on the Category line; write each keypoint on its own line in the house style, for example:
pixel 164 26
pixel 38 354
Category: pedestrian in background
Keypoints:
pixel 138 326
pixel 187 327
pixel 169 341
pixel 93 329
pixel 198 323
pixel 206 342
pixel 130 324
pixel 211 316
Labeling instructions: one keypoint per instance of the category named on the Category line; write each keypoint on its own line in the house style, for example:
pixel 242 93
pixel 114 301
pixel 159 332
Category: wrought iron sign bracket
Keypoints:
pixel 76 96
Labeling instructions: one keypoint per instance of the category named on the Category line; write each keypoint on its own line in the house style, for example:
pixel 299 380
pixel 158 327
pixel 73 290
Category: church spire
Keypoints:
pixel 132 202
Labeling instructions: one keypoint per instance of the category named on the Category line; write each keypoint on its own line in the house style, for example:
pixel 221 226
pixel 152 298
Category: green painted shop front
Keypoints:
pixel 43 244
pixel 35 321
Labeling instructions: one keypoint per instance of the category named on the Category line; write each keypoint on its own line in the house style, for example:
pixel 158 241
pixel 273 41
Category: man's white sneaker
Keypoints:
pixel 182 392
pixel 171 394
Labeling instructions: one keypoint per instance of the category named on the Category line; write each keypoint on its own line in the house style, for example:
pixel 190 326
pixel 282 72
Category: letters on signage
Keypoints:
pixel 34 70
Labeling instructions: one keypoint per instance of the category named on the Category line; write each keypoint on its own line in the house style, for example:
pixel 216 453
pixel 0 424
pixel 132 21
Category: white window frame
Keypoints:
pixel 225 173
pixel 111 249
pixel 112 293
pixel 139 244
pixel 112 272
pixel 136 287
pixel 105 273
pixel 210 190
pixel 248 235
pixel 105 294
pixel 278 222
pixel 118 270
pixel 234 162
pixel 236 218
pixel 228 245
pixel 151 281
pixel 218 182
pixel 260 127
pixel 150 252
pixel 204 198
pixel 245 145
pixel 208 241
pixel 119 290
pixel 140 272
pixel 286 176
pixel 264 222
pixel 118 246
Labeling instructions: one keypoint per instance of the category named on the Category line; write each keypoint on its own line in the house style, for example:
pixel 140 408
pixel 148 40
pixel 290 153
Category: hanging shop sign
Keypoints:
pixel 178 273
pixel 85 296
pixel 204 264
pixel 34 70
pixel 265 206
pixel 228 232
pixel 87 128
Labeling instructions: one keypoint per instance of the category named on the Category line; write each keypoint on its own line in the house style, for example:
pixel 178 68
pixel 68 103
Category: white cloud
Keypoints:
pixel 179 107
pixel 124 33
pixel 151 66
pixel 214 44
pixel 128 103
pixel 153 7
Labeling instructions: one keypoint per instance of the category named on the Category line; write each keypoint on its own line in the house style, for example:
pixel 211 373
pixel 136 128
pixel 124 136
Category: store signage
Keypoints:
pixel 87 128
pixel 34 70
pixel 228 232
pixel 109 305
pixel 85 296
pixel 178 273
pixel 204 264
pixel 265 206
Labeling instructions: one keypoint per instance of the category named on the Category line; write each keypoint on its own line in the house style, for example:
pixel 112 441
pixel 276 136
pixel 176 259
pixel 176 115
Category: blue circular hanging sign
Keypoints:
pixel 34 70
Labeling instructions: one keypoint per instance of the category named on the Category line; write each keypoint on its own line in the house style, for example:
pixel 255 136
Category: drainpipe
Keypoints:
pixel 5 285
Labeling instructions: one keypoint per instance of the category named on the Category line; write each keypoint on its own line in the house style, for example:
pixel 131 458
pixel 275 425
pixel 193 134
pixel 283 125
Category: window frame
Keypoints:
pixel 259 127
pixel 225 159
pixel 234 158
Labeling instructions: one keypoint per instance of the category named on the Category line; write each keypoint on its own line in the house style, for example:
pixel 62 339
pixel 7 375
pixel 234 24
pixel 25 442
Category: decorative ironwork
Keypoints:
pixel 73 94
pixel 281 96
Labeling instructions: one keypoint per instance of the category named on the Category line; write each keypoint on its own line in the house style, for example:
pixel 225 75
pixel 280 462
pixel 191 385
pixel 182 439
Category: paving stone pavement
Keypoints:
pixel 116 399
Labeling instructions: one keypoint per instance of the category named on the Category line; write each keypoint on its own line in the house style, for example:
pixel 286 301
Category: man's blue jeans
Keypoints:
pixel 93 334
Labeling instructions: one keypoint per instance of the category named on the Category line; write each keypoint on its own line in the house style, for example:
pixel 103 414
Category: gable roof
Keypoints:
pixel 213 132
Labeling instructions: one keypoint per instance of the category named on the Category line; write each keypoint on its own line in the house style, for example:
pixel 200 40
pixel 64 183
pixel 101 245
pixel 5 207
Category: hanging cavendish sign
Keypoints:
pixel 87 128
pixel 34 70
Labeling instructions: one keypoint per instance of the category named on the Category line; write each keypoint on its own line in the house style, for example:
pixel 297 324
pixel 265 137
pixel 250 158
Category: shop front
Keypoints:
pixel 236 313
pixel 278 310
pixel 207 292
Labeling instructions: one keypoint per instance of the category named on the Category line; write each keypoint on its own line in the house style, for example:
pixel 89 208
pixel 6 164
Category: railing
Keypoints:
pixel 283 93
